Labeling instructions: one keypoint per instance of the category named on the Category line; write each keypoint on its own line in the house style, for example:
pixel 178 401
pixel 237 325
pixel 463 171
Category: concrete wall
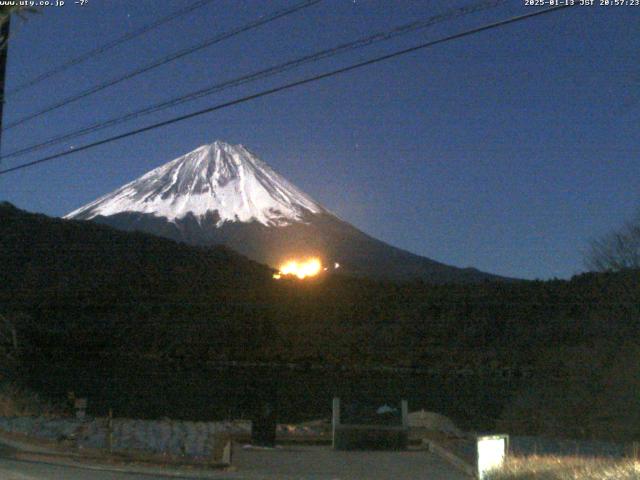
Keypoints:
pixel 193 439
pixel 378 433
pixel 370 437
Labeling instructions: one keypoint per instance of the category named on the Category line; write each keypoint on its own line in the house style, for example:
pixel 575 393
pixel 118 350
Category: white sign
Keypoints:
pixel 492 451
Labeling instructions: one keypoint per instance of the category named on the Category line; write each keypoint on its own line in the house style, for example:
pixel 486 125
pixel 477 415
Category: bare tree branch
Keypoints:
pixel 619 250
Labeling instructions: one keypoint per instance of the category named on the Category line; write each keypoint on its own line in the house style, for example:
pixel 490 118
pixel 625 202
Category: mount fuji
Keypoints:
pixel 224 194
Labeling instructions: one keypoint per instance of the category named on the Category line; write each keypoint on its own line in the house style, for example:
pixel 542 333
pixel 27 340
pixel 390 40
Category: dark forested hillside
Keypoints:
pixel 83 296
pixel 83 288
pixel 136 288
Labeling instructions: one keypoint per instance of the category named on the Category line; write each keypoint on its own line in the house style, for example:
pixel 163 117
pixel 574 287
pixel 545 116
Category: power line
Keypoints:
pixel 163 61
pixel 107 46
pixel 287 86
pixel 4 49
pixel 262 74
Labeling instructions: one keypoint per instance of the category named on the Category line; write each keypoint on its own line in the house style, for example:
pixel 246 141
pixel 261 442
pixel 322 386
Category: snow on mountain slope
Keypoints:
pixel 222 194
pixel 222 178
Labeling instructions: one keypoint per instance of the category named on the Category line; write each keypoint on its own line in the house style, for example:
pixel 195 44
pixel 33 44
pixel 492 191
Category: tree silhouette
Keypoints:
pixel 618 250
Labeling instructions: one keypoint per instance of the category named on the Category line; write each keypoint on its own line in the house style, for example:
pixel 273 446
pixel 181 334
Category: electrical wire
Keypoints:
pixel 288 86
pixel 165 60
pixel 106 47
pixel 262 74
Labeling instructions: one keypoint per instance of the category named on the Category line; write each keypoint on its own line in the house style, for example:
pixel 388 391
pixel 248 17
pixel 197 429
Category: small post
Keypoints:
pixel 635 450
pixel 335 419
pixel 80 405
pixel 110 430
pixel 227 452
pixel 404 409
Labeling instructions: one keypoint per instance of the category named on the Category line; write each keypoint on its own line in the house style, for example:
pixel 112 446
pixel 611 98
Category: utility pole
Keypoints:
pixel 4 48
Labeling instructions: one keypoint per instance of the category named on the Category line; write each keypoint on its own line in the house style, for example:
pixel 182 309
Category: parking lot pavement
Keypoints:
pixel 326 463
pixel 284 463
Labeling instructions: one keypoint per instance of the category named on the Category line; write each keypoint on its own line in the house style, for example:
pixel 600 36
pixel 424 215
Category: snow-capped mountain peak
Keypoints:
pixel 219 177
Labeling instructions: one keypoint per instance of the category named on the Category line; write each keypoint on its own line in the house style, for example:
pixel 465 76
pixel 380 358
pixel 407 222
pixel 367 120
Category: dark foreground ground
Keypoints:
pixel 303 463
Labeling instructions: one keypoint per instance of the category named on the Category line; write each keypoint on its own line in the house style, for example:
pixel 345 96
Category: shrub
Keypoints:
pixel 567 468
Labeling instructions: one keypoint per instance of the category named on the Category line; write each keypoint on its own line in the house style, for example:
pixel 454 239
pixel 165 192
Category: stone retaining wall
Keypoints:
pixel 192 439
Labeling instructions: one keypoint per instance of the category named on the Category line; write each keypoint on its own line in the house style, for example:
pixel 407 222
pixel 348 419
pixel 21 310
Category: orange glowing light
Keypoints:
pixel 300 268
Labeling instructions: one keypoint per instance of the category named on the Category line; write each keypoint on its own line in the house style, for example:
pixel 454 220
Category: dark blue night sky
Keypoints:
pixel 507 151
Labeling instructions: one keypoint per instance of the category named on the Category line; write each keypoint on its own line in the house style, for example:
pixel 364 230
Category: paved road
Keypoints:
pixel 303 463
pixel 17 470
pixel 27 470
pixel 324 463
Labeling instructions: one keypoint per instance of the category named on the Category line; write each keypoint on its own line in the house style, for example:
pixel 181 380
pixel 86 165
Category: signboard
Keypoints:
pixel 492 452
